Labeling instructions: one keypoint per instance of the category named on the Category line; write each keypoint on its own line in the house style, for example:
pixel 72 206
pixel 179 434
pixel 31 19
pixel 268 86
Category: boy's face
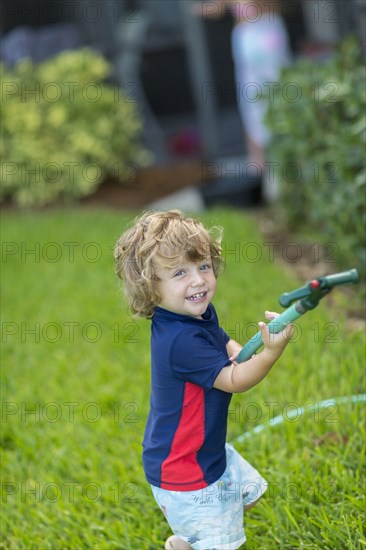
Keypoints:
pixel 188 288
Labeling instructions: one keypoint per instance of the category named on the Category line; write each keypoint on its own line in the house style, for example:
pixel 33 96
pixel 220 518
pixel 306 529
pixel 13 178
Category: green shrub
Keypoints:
pixel 64 129
pixel 317 117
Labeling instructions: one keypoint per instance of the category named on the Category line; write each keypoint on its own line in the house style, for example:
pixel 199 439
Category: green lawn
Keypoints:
pixel 75 393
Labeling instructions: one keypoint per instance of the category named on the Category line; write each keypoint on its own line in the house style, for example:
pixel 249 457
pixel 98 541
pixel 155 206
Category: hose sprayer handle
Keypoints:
pixel 308 297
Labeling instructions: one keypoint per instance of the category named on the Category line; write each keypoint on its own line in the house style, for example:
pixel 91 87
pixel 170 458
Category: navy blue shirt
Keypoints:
pixel 184 441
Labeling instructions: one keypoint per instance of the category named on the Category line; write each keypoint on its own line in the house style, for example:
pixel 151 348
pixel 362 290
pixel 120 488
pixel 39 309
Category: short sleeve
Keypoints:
pixel 225 335
pixel 196 358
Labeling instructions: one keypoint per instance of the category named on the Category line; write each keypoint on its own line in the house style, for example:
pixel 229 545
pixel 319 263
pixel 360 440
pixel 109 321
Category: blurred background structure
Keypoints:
pixel 177 67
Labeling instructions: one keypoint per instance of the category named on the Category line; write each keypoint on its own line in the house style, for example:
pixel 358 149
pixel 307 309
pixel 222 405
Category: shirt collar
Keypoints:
pixel 161 313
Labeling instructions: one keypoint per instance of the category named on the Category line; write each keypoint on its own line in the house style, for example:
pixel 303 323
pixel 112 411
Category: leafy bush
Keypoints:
pixel 64 128
pixel 318 121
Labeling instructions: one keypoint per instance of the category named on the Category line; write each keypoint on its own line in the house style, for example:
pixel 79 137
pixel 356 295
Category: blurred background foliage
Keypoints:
pixel 67 108
pixel 64 108
pixel 318 123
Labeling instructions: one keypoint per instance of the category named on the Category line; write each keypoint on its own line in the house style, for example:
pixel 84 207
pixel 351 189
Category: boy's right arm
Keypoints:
pixel 240 377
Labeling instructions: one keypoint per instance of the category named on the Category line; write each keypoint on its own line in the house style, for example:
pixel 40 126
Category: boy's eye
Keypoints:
pixel 178 273
pixel 205 267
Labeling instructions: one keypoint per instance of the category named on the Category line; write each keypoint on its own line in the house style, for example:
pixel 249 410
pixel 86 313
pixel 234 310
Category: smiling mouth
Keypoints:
pixel 197 297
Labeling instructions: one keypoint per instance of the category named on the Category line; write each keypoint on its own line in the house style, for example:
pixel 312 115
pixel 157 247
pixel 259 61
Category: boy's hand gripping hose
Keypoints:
pixel 307 297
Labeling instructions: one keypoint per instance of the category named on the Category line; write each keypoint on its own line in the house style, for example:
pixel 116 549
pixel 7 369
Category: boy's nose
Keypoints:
pixel 197 279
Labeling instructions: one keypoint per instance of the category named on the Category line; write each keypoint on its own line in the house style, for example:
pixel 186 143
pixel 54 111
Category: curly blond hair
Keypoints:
pixel 161 239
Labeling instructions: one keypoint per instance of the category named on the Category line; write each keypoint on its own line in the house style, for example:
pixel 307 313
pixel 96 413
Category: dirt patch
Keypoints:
pixel 143 187
pixel 147 185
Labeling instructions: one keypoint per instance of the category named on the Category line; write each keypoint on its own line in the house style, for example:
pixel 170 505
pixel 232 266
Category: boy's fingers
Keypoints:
pixel 266 335
pixel 289 330
pixel 271 314
pixel 264 332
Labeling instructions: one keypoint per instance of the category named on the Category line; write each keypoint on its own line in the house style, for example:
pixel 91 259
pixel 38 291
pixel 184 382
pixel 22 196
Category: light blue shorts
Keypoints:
pixel 212 518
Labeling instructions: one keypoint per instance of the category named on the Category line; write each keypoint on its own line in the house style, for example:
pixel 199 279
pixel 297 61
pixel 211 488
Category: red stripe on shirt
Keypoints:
pixel 180 471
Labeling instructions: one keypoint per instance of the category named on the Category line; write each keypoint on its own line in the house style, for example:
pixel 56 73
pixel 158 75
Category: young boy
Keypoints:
pixel 169 264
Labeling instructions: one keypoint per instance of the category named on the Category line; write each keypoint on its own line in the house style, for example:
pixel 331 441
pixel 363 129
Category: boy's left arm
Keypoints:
pixel 233 348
